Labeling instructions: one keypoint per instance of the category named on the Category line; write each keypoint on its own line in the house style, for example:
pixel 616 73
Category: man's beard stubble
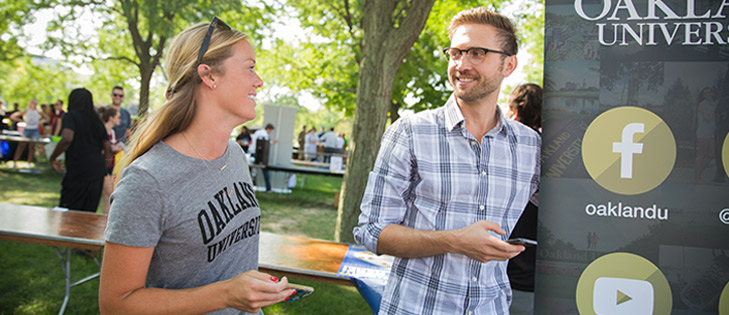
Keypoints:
pixel 484 88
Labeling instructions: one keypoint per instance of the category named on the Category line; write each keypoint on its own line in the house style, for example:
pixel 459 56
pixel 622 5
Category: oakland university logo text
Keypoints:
pixel 688 26
pixel 213 221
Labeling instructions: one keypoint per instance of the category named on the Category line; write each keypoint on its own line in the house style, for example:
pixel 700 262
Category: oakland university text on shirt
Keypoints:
pixel 212 221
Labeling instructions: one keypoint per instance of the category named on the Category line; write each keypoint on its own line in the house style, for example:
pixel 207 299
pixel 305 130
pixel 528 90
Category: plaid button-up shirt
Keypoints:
pixel 432 174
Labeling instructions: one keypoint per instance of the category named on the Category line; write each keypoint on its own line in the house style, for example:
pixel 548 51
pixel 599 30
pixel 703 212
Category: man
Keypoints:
pixel 449 184
pixel 329 139
pixel 262 134
pixel 121 130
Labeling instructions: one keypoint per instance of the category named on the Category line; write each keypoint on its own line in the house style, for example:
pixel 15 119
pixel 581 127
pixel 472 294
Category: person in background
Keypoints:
pixel 244 138
pixel 88 151
pixel 329 139
pixel 340 143
pixel 311 145
pixel 110 117
pixel 344 138
pixel 3 111
pixel 263 134
pixel 450 183
pixel 31 131
pixel 181 167
pixel 45 122
pixel 301 141
pixel 56 117
pixel 117 97
pixel 9 114
pixel 525 106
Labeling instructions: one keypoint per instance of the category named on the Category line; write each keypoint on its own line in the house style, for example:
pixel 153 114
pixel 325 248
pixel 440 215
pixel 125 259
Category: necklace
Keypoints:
pixel 206 164
pixel 227 155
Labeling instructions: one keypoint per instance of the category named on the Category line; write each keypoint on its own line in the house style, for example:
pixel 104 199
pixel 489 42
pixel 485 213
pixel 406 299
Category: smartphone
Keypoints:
pixel 522 241
pixel 301 291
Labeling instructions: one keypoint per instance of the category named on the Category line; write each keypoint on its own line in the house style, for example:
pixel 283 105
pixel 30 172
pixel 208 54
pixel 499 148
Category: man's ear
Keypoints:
pixel 510 64
pixel 206 75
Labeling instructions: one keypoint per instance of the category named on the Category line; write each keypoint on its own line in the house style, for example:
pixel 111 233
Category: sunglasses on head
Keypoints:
pixel 206 41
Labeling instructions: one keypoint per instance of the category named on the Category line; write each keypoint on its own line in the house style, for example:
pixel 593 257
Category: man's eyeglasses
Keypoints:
pixel 117 95
pixel 476 55
pixel 208 36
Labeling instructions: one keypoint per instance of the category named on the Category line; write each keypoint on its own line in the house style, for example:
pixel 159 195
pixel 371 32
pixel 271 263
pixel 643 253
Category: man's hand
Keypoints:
pixel 56 165
pixel 476 242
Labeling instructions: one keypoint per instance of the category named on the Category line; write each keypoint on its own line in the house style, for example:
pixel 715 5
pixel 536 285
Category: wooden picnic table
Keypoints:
pixel 295 257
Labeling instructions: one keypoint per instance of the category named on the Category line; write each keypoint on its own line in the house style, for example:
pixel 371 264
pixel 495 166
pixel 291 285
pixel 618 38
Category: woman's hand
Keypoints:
pixel 251 290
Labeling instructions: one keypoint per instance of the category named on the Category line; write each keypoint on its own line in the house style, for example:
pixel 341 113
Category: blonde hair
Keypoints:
pixel 181 66
pixel 481 15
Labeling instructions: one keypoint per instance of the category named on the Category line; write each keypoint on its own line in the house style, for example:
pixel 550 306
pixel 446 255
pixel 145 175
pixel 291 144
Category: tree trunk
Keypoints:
pixel 144 92
pixel 389 33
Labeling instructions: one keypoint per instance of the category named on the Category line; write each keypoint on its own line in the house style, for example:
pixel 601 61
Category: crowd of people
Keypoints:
pixel 320 146
pixel 82 134
pixel 37 123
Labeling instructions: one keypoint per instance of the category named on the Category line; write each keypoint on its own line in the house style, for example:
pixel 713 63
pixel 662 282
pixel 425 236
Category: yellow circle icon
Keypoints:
pixel 628 150
pixel 623 283
pixel 725 154
pixel 724 300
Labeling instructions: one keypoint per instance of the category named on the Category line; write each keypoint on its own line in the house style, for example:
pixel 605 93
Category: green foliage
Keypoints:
pixel 125 40
pixel 13 15
pixel 327 63
pixel 27 78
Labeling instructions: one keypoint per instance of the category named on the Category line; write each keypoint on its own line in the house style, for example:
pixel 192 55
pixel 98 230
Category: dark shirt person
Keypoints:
pixel 88 151
pixel 244 138
pixel 525 106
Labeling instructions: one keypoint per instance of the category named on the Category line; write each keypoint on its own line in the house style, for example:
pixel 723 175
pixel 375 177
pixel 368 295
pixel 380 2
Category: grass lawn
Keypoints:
pixel 32 279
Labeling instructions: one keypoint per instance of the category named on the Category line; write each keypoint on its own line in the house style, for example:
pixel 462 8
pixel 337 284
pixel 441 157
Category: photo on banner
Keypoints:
pixel 634 195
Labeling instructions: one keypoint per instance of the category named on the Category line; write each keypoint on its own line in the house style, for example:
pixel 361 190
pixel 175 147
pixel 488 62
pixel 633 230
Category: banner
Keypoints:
pixel 634 199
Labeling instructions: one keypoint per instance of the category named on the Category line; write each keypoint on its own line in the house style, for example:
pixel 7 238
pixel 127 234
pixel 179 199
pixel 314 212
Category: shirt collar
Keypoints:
pixel 454 117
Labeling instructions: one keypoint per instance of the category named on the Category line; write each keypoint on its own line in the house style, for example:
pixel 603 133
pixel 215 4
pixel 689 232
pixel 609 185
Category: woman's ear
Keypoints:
pixel 206 75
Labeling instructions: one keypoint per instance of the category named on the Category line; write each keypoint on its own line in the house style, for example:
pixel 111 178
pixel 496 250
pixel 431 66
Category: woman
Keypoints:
pixel 525 106
pixel 110 117
pixel 185 190
pixel 56 118
pixel 31 131
pixel 705 127
pixel 312 141
pixel 87 148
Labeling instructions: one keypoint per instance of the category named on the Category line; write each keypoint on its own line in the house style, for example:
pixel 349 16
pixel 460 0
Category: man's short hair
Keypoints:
pixel 269 126
pixel 117 87
pixel 481 15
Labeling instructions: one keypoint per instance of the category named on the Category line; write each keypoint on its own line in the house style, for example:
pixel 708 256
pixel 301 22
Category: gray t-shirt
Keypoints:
pixel 171 202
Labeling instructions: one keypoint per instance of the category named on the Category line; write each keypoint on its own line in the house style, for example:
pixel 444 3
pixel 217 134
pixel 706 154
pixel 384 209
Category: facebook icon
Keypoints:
pixel 627 148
